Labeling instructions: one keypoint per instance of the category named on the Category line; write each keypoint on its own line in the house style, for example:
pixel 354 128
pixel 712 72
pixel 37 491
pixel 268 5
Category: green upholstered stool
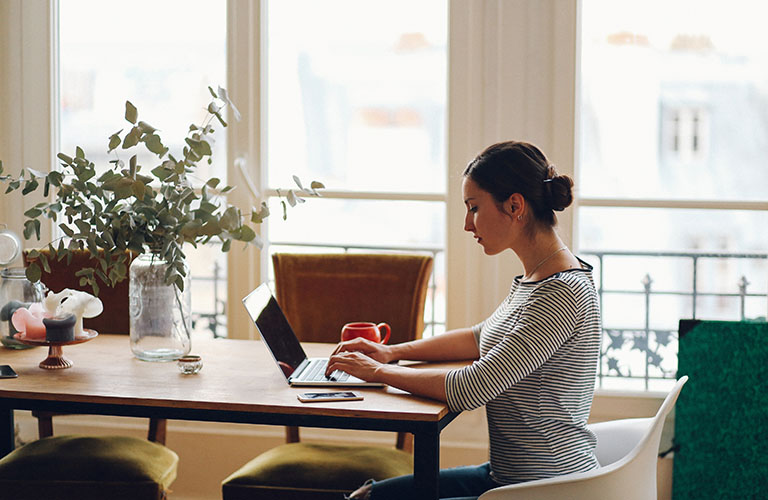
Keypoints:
pixel 299 471
pixel 85 467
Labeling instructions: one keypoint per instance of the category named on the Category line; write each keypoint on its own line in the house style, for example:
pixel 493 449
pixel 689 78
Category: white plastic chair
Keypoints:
pixel 627 451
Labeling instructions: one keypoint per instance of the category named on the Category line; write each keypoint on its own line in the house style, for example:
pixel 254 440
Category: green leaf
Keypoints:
pixel 67 230
pixel 155 145
pixel 213 182
pixel 146 127
pixel 317 185
pixel 131 138
pixel 230 220
pixel 246 234
pixel 210 89
pixel 131 113
pixel 114 141
pixel 79 153
pixel 30 186
pixel 258 216
pixel 55 178
pixel 46 265
pixel 33 272
pixel 138 190
pixel 221 120
pixel 33 213
pixel 201 147
pixel 162 172
pixel 225 246
pixel 83 226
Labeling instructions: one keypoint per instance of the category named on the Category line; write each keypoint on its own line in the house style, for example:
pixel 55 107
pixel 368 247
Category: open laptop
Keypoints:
pixel 285 348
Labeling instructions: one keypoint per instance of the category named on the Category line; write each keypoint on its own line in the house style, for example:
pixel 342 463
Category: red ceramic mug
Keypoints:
pixel 370 331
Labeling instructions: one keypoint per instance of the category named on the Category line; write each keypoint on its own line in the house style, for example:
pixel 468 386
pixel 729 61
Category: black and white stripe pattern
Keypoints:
pixel 536 375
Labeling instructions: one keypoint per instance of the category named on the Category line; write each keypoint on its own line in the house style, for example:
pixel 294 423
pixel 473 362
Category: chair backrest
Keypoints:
pixel 649 444
pixel 617 438
pixel 627 451
pixel 319 293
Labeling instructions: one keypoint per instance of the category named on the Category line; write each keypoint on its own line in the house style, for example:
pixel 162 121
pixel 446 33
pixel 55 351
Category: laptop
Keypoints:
pixel 285 348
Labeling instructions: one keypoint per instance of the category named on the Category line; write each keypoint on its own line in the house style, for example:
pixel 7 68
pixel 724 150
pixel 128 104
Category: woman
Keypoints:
pixel 535 356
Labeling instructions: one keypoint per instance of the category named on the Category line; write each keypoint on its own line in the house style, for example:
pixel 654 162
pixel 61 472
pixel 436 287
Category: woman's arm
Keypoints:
pixel 455 345
pixel 422 382
pixel 368 360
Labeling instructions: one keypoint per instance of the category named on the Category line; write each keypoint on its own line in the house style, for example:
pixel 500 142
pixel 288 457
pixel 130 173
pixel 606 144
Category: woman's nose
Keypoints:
pixel 468 225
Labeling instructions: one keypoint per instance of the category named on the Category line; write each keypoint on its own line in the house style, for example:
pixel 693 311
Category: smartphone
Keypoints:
pixel 312 397
pixel 7 372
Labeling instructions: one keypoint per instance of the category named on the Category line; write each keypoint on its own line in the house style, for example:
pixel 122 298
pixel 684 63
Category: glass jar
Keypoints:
pixel 15 291
pixel 160 314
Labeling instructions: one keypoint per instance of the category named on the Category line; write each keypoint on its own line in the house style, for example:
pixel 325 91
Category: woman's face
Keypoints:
pixel 488 224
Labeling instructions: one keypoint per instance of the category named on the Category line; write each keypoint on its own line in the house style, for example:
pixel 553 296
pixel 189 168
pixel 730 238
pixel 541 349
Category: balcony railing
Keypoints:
pixel 639 349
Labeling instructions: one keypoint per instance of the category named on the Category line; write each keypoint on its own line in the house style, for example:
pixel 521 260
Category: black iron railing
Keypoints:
pixel 644 355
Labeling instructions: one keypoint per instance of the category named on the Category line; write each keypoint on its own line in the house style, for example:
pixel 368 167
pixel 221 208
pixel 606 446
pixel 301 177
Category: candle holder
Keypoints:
pixel 56 359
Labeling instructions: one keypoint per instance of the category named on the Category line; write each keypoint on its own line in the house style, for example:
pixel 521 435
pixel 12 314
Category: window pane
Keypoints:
pixel 365 223
pixel 674 100
pixel 359 105
pixel 155 64
pixel 656 229
pixel 142 51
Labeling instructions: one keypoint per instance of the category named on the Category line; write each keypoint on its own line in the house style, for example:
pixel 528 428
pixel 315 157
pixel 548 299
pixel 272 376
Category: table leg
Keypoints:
pixel 426 464
pixel 7 431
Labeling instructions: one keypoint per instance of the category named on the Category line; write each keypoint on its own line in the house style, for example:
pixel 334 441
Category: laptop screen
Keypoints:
pixel 274 329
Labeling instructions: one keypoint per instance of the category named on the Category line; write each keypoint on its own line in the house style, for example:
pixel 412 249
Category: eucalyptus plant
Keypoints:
pixel 129 209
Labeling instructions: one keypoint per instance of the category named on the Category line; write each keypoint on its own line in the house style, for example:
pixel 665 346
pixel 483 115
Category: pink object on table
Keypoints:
pixel 29 321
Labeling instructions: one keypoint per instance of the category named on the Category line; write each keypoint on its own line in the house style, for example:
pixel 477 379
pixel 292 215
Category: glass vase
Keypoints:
pixel 159 313
pixel 15 291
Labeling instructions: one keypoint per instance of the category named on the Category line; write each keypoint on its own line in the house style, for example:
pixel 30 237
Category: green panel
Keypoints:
pixel 721 417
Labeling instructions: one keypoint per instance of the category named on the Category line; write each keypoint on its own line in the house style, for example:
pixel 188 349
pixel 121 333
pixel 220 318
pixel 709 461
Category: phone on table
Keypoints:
pixel 7 372
pixel 313 397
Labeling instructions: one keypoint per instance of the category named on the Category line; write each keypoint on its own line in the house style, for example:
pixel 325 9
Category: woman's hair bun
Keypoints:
pixel 559 192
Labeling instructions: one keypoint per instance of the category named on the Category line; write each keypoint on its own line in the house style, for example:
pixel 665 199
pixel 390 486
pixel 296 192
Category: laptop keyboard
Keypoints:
pixel 316 372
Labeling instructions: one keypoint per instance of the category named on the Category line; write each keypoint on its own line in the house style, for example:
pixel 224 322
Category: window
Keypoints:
pixel 165 73
pixel 356 98
pixel 672 174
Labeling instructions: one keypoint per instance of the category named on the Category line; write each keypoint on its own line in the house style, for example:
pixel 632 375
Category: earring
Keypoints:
pixel 519 217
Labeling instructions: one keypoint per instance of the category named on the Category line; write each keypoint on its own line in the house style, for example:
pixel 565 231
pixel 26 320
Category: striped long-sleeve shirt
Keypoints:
pixel 536 374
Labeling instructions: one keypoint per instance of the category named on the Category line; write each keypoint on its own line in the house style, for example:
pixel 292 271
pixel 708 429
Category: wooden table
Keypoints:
pixel 239 383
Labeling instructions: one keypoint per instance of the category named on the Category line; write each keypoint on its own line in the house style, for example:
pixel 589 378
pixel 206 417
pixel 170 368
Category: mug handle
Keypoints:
pixel 387 328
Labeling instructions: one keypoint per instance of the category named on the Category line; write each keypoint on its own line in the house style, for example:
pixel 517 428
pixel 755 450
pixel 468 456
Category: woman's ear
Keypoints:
pixel 515 204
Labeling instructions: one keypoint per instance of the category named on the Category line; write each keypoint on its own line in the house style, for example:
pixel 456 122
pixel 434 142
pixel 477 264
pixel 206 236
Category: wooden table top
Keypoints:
pixel 237 375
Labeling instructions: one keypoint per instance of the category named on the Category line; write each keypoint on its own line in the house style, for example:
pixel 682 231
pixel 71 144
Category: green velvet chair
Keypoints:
pixel 319 294
pixel 85 468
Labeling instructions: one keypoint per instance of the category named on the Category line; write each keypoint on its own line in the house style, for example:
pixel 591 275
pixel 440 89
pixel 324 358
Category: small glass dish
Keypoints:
pixel 190 364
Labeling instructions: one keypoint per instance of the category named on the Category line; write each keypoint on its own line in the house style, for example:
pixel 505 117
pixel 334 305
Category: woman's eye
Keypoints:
pixel 473 209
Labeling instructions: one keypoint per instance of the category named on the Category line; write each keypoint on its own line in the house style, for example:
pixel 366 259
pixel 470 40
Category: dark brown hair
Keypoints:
pixel 512 167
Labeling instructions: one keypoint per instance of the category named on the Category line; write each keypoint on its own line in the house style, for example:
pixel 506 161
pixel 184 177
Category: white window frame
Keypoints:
pixel 511 76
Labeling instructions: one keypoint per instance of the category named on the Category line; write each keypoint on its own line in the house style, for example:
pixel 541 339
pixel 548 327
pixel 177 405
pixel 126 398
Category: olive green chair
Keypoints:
pixel 88 468
pixel 319 294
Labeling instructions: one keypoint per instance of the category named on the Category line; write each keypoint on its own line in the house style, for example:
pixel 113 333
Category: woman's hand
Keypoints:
pixel 374 350
pixel 356 364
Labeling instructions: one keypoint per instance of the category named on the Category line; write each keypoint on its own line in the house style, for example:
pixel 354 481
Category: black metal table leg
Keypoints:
pixel 7 434
pixel 426 463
